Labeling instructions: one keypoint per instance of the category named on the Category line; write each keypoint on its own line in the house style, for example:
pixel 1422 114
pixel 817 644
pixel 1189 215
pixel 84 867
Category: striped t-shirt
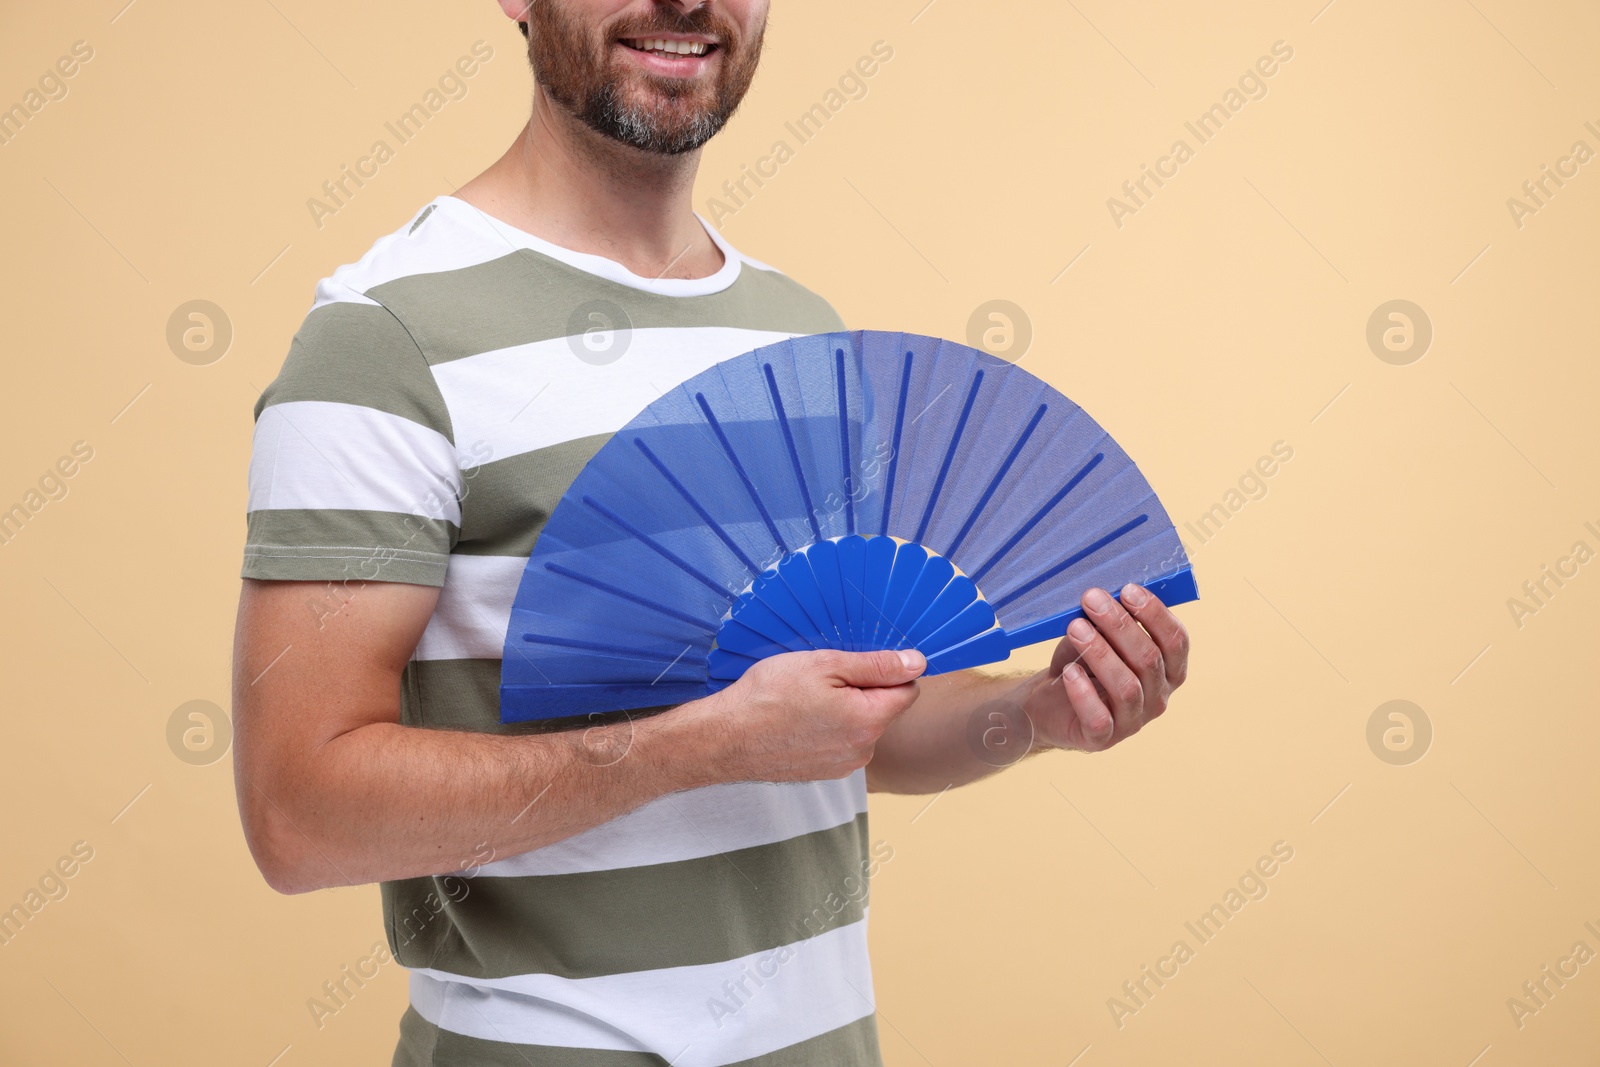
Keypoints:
pixel 440 396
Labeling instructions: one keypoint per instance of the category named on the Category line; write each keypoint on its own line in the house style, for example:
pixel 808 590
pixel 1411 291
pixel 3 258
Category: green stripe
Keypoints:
pixel 525 297
pixel 708 909
pixel 509 500
pixel 351 353
pixel 332 544
pixel 423 1044
pixel 464 694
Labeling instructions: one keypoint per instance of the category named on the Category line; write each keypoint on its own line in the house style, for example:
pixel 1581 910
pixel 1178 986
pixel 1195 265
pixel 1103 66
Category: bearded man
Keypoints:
pixel 683 885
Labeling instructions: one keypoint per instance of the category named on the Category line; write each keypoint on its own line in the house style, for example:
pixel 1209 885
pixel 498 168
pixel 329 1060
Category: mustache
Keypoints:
pixel 702 20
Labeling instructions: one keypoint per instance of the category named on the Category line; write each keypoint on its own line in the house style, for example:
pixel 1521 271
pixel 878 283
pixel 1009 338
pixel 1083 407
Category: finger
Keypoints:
pixel 1095 720
pixel 1164 628
pixel 1122 684
pixel 1135 647
pixel 872 669
pixel 890 701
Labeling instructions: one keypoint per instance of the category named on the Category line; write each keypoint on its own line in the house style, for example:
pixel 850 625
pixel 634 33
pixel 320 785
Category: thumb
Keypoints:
pixel 870 670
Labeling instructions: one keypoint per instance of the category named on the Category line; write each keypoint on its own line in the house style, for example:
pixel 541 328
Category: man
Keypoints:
pixel 686 885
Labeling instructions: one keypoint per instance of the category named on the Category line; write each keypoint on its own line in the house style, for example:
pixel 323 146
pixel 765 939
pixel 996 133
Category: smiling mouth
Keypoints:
pixel 669 49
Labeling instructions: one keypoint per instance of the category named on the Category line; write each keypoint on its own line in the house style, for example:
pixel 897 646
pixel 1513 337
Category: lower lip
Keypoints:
pixel 673 66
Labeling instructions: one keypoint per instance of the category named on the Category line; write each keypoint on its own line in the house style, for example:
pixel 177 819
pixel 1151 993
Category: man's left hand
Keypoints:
pixel 1114 671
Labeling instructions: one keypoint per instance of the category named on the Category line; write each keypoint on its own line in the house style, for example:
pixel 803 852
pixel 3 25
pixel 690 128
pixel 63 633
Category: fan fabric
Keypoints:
pixel 857 490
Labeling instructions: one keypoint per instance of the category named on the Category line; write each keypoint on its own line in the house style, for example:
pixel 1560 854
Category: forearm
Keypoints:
pixel 964 726
pixel 386 801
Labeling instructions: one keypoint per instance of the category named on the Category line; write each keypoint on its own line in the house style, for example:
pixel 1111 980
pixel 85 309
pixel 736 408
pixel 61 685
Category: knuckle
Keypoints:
pixel 1129 692
pixel 828 659
pixel 1150 659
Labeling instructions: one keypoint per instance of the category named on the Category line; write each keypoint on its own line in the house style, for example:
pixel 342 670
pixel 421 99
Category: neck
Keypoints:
pixel 581 190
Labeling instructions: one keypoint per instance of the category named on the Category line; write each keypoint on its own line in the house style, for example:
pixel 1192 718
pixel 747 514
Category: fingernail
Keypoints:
pixel 911 659
pixel 1134 596
pixel 1098 601
pixel 1072 672
pixel 1080 630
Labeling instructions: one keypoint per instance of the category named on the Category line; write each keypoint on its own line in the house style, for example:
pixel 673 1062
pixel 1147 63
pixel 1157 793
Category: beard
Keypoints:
pixel 668 116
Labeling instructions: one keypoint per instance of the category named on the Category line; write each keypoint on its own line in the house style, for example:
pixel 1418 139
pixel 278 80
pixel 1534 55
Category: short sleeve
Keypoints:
pixel 353 468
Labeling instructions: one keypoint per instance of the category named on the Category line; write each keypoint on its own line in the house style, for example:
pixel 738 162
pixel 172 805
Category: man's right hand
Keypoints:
pixel 803 716
pixel 334 790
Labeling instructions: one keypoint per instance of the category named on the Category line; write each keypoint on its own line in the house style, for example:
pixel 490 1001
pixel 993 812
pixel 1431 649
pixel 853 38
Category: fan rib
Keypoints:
pixel 699 509
pixel 1005 468
pixel 794 453
pixel 1015 538
pixel 894 447
pixel 949 455
pixel 653 544
pixel 1070 560
pixel 644 602
pixel 844 445
pixel 755 497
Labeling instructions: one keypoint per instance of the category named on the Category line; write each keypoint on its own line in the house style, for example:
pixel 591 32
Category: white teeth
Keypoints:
pixel 683 48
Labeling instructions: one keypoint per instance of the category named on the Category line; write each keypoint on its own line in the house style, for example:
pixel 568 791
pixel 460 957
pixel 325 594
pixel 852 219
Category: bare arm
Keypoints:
pixel 333 790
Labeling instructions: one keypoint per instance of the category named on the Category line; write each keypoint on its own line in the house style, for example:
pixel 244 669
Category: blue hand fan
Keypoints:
pixel 854 491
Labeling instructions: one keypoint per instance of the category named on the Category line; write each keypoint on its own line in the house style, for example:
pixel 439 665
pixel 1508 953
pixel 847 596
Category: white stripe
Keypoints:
pixel 319 454
pixel 330 291
pixel 697 822
pixel 808 988
pixel 531 396
pixel 479 222
pixel 402 253
pixel 474 608
pixel 475 237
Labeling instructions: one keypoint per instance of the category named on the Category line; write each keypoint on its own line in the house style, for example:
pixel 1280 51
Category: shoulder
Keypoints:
pixel 428 243
pixel 352 348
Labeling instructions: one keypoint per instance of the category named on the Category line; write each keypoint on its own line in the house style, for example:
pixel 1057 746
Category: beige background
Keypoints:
pixel 1227 314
